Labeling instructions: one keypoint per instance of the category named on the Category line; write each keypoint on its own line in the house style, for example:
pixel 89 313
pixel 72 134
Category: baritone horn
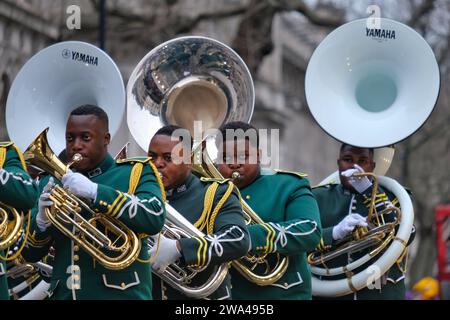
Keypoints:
pixel 116 247
pixel 385 82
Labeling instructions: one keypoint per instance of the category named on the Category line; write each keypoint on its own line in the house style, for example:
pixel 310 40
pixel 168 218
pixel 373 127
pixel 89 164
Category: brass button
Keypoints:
pixel 122 285
pixel 76 277
pixel 76 257
pixel 247 197
pixel 76 248
pixel 286 285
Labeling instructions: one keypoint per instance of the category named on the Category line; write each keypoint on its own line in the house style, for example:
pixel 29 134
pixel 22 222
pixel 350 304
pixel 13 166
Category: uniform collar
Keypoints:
pixel 344 190
pixel 181 188
pixel 104 166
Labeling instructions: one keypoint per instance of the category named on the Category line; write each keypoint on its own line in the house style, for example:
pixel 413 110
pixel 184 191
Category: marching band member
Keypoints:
pixel 285 202
pixel 211 205
pixel 127 190
pixel 16 190
pixel 345 206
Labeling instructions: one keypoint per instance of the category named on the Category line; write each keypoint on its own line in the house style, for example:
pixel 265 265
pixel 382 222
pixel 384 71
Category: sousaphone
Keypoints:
pixel 371 87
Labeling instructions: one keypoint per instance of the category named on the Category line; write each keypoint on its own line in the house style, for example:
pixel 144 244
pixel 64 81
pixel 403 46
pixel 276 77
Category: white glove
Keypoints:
pixel 347 225
pixel 42 220
pixel 80 185
pixel 168 253
pixel 360 184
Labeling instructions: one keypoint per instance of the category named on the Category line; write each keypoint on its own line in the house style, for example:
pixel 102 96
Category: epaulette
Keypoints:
pixel 326 185
pixel 219 180
pixel 6 144
pixel 134 160
pixel 298 174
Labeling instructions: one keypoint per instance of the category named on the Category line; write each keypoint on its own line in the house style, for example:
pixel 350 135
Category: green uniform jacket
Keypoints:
pixel 335 203
pixel 17 190
pixel 292 227
pixel 76 275
pixel 226 237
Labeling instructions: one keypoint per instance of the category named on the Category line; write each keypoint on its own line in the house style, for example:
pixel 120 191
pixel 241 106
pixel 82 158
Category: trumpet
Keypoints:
pixel 116 247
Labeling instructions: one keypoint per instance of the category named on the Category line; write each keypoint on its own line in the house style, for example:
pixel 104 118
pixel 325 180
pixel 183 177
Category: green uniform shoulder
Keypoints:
pixel 294 173
pixel 134 160
pixel 324 189
pixel 6 144
pixel 324 186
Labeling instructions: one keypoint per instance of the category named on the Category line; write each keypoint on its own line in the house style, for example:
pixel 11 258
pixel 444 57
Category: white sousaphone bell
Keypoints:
pixel 48 87
pixel 55 81
pixel 371 87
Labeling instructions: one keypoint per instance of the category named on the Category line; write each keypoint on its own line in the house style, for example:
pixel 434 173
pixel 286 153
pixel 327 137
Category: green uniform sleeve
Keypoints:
pixel 143 211
pixel 16 186
pixel 230 239
pixel 38 242
pixel 301 230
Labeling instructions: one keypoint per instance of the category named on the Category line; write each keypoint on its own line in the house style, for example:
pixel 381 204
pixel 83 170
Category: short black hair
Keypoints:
pixel 168 130
pixel 343 145
pixel 237 125
pixel 89 109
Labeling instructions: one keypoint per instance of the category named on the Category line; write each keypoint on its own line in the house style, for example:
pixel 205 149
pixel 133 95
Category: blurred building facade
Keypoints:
pixel 28 26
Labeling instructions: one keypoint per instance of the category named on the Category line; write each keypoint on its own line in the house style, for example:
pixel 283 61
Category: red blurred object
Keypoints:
pixel 443 244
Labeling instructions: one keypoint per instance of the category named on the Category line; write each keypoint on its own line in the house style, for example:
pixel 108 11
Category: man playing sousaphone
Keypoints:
pixel 18 191
pixel 211 205
pixel 284 201
pixel 345 206
pixel 128 191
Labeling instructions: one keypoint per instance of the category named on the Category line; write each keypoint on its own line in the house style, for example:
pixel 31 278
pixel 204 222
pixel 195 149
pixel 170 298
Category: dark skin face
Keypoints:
pixel 350 156
pixel 88 136
pixel 239 161
pixel 160 150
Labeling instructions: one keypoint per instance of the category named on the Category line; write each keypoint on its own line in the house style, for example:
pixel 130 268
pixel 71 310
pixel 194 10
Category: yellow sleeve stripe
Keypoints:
pixel 119 205
pixel 269 238
pixel 200 245
pixel 114 203
pixel 2 156
pixel 37 243
pixel 205 247
pixel 379 200
pixel 274 234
